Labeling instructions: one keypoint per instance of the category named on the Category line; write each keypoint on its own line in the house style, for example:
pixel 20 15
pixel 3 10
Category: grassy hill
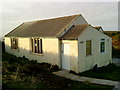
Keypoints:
pixel 112 33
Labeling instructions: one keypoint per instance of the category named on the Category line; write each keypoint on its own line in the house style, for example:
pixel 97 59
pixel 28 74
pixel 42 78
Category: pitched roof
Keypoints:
pixel 75 31
pixel 42 28
pixel 99 28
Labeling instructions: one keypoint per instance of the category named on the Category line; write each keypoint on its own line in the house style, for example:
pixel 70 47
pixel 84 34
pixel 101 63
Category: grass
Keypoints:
pixel 15 85
pixel 25 86
pixel 110 72
pixel 21 73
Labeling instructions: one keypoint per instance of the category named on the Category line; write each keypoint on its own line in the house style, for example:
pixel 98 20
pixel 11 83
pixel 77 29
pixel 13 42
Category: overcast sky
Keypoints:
pixel 103 14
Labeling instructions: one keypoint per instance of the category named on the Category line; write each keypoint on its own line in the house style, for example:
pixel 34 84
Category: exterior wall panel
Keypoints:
pixel 50 50
pixel 102 59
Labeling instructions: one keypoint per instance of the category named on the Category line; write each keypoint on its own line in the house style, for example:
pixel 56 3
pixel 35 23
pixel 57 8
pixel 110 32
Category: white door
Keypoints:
pixel 66 56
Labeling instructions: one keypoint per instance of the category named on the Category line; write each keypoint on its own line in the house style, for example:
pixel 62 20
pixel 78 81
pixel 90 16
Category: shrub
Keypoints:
pixel 5 66
pixel 54 68
pixel 45 65
pixel 95 68
pixel 115 52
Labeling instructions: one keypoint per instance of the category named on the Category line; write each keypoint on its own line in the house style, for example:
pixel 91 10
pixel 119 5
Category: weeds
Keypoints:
pixel 21 73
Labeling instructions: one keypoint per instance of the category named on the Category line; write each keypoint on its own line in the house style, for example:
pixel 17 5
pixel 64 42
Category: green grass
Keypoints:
pixel 21 73
pixel 111 72
pixel 24 86
pixel 71 85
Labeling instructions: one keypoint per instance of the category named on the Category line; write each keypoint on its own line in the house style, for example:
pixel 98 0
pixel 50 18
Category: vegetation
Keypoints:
pixel 111 72
pixel 21 73
pixel 112 33
pixel 115 53
pixel 115 35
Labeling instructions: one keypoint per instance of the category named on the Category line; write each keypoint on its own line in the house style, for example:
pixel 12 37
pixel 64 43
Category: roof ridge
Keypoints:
pixel 52 18
pixel 55 24
pixel 68 24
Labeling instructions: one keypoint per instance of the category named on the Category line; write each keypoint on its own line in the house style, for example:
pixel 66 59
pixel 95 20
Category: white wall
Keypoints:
pixel 102 59
pixel 51 52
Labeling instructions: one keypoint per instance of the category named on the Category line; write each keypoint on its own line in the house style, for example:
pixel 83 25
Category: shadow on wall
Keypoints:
pixel 3 46
pixel 20 52
pixel 47 57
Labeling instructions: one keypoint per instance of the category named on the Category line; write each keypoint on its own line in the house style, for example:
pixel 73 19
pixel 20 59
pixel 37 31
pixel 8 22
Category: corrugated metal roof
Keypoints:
pixel 42 28
pixel 75 31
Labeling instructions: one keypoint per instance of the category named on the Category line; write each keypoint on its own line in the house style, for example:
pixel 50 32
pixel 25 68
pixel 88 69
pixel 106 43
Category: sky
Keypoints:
pixel 15 12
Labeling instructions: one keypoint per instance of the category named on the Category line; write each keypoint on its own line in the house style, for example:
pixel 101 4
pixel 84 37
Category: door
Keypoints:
pixel 66 56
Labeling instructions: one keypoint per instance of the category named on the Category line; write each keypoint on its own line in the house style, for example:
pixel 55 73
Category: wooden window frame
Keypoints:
pixel 102 46
pixel 88 47
pixel 14 43
pixel 36 44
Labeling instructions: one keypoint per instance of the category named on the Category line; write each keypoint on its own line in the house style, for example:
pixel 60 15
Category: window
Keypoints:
pixel 102 45
pixel 88 47
pixel 37 45
pixel 14 43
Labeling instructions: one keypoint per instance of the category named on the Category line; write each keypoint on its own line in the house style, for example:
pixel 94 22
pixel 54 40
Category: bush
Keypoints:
pixel 95 68
pixel 115 52
pixel 54 68
pixel 45 65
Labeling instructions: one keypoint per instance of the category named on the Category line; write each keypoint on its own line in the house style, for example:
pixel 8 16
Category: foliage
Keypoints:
pixel 115 35
pixel 115 53
pixel 54 68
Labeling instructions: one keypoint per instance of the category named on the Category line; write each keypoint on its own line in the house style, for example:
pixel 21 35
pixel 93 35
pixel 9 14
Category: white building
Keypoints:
pixel 69 42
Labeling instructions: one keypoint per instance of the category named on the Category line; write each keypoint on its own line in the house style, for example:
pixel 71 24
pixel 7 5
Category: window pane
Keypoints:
pixel 36 45
pixel 32 43
pixel 41 51
pixel 102 47
pixel 14 43
pixel 40 46
pixel 88 43
pixel 88 47
pixel 88 51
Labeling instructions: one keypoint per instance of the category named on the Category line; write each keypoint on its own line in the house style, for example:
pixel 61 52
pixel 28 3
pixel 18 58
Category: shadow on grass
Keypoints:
pixel 110 72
